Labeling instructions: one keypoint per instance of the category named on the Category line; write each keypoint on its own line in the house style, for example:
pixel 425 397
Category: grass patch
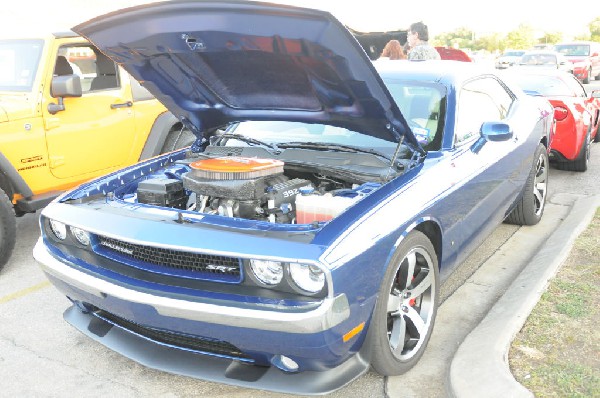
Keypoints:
pixel 557 352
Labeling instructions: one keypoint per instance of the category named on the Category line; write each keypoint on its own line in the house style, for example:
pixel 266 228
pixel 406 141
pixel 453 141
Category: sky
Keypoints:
pixel 441 16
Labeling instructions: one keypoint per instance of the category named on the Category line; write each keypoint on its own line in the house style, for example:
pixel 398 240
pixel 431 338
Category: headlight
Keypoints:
pixel 82 236
pixel 268 272
pixel 308 277
pixel 59 229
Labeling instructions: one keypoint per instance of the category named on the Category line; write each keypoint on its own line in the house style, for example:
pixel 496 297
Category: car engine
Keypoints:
pixel 252 188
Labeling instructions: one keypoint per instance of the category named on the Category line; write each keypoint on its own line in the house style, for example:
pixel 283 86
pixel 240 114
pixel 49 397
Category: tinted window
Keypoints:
pixel 481 100
pixel 96 70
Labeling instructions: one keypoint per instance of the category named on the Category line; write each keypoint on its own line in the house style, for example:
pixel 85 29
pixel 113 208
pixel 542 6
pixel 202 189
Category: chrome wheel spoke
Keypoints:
pixel 394 302
pixel 415 318
pixel 422 283
pixel 411 260
pixel 398 334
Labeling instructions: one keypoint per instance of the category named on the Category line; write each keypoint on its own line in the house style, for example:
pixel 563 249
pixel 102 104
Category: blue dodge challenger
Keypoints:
pixel 302 238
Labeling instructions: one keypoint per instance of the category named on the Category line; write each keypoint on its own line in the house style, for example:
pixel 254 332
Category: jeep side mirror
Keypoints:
pixel 61 87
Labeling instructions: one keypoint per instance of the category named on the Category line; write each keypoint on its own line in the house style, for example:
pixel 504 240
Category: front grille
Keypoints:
pixel 177 340
pixel 173 259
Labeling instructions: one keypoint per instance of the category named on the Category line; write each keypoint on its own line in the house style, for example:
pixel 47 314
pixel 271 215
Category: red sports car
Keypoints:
pixel 576 113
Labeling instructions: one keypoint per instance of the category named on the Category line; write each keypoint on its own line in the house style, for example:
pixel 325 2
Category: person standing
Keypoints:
pixel 393 50
pixel 417 38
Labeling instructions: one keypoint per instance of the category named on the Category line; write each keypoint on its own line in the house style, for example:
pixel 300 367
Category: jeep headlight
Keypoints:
pixel 59 229
pixel 307 277
pixel 267 272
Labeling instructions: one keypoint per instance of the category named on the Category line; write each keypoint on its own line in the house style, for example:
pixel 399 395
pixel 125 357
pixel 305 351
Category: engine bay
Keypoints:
pixel 253 188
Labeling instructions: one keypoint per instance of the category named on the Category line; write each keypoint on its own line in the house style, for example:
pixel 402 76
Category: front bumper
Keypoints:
pixel 330 313
pixel 309 336
pixel 221 370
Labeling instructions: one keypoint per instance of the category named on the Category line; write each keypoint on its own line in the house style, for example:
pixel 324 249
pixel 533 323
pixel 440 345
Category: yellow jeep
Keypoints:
pixel 67 114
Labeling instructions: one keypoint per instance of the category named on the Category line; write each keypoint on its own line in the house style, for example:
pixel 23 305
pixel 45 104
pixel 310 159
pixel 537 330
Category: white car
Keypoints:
pixel 509 58
pixel 545 59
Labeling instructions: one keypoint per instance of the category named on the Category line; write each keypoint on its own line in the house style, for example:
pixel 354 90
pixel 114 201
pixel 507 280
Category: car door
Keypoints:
pixel 95 132
pixel 485 176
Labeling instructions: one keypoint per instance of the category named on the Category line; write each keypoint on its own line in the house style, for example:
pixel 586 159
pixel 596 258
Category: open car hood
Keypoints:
pixel 212 63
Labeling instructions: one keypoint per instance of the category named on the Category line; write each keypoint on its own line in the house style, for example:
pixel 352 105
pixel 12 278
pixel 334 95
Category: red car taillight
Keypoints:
pixel 560 113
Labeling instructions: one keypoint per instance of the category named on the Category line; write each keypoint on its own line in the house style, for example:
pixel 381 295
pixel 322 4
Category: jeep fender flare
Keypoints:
pixel 158 134
pixel 11 181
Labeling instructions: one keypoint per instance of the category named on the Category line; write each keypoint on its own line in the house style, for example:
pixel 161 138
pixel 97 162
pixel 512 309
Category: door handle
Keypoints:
pixel 121 105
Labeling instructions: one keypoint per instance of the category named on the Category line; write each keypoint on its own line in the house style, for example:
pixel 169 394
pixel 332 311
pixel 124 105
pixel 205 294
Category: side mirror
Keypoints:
pixel 61 87
pixel 496 131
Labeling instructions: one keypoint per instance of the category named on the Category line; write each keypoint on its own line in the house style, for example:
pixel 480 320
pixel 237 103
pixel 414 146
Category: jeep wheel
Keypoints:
pixel 178 138
pixel 8 228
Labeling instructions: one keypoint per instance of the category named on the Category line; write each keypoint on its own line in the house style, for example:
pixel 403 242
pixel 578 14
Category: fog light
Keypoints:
pixel 82 236
pixel 59 229
pixel 308 277
pixel 284 363
pixel 268 272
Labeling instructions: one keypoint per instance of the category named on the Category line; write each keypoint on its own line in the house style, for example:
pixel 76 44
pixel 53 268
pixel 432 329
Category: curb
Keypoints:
pixel 480 366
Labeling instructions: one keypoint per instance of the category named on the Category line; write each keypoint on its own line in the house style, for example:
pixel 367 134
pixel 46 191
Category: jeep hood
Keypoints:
pixel 212 63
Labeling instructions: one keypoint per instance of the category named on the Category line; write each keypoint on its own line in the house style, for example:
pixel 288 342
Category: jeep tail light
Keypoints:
pixel 560 113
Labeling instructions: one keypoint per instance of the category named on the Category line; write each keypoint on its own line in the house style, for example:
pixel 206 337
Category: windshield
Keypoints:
pixel 513 53
pixel 19 61
pixel 538 59
pixel 548 86
pixel 573 49
pixel 278 132
pixel 422 104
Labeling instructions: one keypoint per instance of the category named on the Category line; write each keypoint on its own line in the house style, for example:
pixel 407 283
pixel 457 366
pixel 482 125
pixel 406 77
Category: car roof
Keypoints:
pixel 446 72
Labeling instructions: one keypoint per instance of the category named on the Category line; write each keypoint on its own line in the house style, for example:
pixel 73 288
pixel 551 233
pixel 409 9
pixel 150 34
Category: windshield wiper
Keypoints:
pixel 332 147
pixel 246 139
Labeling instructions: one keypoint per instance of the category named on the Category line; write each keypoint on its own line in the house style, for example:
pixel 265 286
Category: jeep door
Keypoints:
pixel 95 132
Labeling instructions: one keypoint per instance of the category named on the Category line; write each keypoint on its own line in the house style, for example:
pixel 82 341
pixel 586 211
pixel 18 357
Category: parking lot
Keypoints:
pixel 41 355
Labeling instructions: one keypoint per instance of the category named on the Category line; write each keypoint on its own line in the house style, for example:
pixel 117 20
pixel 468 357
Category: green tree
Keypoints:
pixel 594 27
pixel 521 38
pixel 461 37
pixel 551 38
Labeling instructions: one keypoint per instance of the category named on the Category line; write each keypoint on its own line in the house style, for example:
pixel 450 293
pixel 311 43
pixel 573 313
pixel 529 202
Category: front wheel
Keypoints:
pixel 531 206
pixel 8 228
pixel 404 315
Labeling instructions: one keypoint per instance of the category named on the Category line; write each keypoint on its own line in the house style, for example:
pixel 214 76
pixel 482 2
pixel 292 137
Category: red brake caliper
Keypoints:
pixel 413 300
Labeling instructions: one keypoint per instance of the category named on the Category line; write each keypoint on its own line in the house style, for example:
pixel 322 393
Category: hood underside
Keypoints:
pixel 213 63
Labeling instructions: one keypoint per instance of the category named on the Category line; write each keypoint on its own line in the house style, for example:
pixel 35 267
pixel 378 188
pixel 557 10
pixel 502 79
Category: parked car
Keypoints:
pixel 577 115
pixel 509 58
pixel 305 234
pixel 454 54
pixel 543 59
pixel 585 57
pixel 68 114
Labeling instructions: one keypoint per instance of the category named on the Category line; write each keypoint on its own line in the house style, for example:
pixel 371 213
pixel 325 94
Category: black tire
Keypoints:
pixel 8 229
pixel 597 137
pixel 581 161
pixel 178 138
pixel 394 340
pixel 530 207
pixel 586 80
